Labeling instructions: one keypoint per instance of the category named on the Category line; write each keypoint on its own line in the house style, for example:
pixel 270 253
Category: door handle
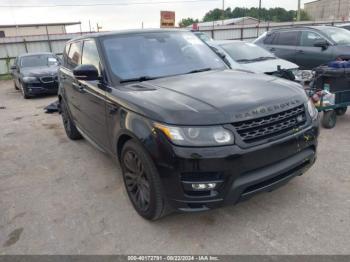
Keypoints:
pixel 300 52
pixel 113 110
pixel 272 49
pixel 79 87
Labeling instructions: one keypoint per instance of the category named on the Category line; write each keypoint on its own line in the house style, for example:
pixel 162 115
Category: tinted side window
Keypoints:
pixel 309 38
pixel 90 54
pixel 269 39
pixel 74 55
pixel 286 38
pixel 65 55
pixel 2 34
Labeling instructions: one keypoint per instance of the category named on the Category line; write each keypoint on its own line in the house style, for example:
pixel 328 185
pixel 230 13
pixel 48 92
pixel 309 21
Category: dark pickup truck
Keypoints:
pixel 189 133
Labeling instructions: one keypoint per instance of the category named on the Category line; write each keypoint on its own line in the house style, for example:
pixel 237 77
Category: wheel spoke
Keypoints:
pixel 130 162
pixel 136 180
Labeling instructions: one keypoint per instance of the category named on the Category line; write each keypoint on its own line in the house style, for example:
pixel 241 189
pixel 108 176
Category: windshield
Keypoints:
pixel 153 55
pixel 339 35
pixel 203 37
pixel 246 52
pixel 38 61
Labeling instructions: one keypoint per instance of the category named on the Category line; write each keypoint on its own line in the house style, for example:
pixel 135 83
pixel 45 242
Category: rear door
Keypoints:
pixel 72 58
pixel 284 44
pixel 309 56
pixel 92 98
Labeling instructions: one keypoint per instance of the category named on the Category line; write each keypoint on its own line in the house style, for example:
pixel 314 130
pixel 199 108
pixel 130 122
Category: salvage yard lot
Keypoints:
pixel 63 197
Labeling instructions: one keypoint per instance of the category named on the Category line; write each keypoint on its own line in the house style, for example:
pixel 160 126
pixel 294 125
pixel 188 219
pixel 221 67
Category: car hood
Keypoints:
pixel 269 66
pixel 40 71
pixel 215 97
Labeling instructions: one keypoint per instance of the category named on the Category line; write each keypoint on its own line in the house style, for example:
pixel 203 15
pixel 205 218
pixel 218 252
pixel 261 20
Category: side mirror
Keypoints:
pixel 322 43
pixel 13 67
pixel 86 72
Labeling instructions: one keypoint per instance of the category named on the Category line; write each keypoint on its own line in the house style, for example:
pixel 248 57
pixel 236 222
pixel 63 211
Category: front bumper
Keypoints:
pixel 41 88
pixel 238 173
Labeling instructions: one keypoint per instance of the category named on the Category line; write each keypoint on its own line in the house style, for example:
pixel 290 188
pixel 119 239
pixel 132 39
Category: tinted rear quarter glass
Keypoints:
pixel 74 55
pixel 269 38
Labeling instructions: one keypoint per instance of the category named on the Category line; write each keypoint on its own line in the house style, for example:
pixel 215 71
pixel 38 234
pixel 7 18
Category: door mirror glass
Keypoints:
pixel 86 72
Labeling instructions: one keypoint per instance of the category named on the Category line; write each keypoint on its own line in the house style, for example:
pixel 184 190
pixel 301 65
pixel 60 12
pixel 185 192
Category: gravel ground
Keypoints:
pixel 63 197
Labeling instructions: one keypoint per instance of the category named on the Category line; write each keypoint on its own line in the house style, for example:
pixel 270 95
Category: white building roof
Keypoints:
pixel 231 21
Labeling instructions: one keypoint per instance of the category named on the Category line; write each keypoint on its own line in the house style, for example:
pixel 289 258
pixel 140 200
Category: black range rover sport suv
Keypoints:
pixel 189 133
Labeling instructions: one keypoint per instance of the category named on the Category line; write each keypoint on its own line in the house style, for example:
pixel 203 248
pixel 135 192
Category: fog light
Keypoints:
pixel 207 186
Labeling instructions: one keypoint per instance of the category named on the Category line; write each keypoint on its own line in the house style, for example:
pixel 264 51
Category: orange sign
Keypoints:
pixel 167 19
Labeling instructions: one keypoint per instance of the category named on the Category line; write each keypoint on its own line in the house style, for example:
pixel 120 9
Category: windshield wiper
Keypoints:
pixel 262 58
pixel 199 70
pixel 138 79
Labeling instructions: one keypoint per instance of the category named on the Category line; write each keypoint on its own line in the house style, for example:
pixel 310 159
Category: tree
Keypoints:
pixel 216 14
pixel 187 21
pixel 273 14
pixel 304 16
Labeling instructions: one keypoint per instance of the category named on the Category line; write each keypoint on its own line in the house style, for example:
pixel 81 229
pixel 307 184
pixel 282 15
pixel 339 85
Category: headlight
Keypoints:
pixel 303 75
pixel 312 110
pixel 29 79
pixel 197 136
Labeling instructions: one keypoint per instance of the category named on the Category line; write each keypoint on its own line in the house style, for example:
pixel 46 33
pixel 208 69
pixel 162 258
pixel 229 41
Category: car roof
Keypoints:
pixel 36 53
pixel 319 27
pixel 126 32
pixel 224 42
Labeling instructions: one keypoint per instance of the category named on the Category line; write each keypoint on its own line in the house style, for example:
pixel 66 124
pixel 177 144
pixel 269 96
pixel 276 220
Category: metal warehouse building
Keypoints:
pixel 328 9
pixel 34 29
pixel 28 38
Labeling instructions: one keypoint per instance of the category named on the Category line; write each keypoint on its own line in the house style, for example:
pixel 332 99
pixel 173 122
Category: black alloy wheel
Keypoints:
pixel 142 182
pixel 136 180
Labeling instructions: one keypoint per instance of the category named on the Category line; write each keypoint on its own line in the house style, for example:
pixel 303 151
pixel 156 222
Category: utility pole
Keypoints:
pixel 223 11
pixel 259 13
pixel 299 11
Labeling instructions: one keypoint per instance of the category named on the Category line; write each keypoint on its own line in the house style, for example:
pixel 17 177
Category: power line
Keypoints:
pixel 108 4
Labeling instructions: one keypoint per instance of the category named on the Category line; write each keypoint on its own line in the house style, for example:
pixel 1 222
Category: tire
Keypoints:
pixel 329 119
pixel 341 111
pixel 14 84
pixel 69 126
pixel 142 182
pixel 24 92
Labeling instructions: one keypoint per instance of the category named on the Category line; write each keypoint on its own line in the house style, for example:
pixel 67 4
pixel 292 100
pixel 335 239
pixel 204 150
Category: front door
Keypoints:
pixel 92 99
pixel 308 56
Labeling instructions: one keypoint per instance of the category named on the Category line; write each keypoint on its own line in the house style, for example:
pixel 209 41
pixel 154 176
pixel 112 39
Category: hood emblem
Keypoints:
pixel 263 110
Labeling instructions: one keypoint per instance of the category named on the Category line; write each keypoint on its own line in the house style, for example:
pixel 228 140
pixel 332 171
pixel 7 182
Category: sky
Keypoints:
pixel 125 14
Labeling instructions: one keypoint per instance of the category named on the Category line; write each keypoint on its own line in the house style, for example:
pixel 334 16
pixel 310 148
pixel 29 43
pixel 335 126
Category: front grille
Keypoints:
pixel 255 130
pixel 48 79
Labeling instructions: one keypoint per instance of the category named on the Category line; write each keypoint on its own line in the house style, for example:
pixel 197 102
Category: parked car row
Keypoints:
pixel 190 133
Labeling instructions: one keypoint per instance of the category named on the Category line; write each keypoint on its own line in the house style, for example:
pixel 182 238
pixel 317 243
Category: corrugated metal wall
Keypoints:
pixel 11 47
